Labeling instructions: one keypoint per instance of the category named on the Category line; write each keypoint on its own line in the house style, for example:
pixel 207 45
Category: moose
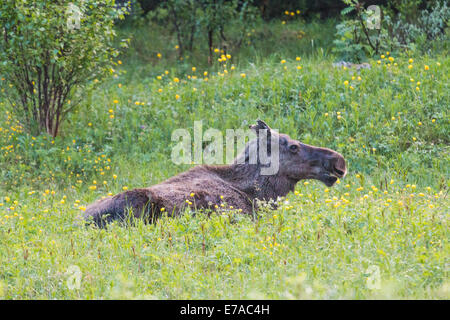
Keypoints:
pixel 238 185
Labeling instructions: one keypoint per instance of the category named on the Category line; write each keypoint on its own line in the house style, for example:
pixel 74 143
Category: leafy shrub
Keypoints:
pixel 49 50
pixel 227 22
pixel 348 44
pixel 425 26
pixel 407 28
pixel 355 39
pixel 221 23
pixel 182 17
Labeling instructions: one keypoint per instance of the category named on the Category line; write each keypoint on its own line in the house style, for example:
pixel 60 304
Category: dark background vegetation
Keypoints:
pixel 274 8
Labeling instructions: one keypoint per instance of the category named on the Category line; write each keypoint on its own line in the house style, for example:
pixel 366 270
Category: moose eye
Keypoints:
pixel 293 148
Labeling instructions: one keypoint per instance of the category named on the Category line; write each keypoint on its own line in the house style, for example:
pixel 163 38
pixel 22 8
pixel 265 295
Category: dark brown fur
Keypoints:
pixel 237 185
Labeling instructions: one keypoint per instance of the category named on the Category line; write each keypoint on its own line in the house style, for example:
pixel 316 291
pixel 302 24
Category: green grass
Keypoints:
pixel 380 233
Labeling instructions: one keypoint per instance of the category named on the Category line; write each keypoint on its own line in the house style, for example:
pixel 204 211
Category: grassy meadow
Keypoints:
pixel 382 232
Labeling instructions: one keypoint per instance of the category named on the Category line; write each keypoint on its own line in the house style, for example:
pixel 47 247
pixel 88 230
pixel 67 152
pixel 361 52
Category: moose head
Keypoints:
pixel 292 159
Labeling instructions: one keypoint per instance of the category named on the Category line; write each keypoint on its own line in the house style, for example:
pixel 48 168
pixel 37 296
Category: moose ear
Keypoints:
pixel 260 125
pixel 263 133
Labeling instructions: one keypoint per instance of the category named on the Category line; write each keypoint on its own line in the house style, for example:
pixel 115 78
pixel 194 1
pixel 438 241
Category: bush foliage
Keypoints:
pixel 48 51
